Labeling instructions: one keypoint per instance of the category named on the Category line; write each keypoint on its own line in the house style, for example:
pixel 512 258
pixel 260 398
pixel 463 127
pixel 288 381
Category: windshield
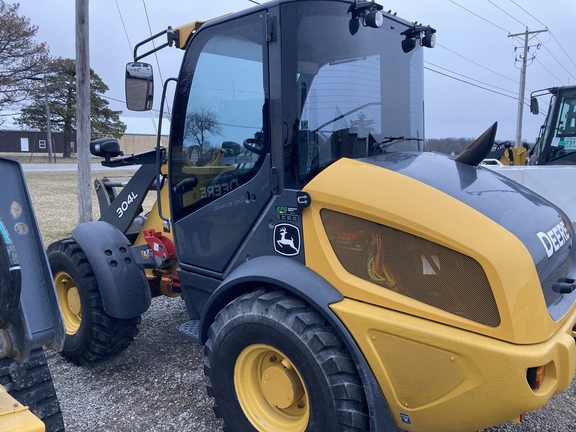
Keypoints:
pixel 356 95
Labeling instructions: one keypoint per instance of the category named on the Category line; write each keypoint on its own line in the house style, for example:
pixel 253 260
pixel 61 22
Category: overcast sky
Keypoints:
pixel 472 46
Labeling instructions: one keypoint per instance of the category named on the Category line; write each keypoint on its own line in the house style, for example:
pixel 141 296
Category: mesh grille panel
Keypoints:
pixel 412 266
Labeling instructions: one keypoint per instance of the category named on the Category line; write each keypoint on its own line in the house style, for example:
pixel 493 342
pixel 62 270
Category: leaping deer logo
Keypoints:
pixel 286 244
pixel 284 241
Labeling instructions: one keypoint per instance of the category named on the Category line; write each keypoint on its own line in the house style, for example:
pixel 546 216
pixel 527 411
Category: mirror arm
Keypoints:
pixel 172 38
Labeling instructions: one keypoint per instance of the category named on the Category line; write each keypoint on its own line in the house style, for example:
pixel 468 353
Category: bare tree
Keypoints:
pixel 199 122
pixel 21 57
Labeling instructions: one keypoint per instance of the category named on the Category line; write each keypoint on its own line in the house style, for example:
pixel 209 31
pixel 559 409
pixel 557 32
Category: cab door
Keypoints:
pixel 219 158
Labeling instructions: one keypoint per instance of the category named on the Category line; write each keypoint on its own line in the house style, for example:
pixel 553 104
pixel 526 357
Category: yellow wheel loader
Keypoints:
pixel 29 314
pixel 556 142
pixel 338 277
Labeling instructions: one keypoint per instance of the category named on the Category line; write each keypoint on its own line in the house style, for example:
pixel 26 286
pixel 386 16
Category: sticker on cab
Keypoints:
pixel 287 239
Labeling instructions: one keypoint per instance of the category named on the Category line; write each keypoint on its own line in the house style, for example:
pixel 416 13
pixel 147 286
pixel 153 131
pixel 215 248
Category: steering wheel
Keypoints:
pixel 254 145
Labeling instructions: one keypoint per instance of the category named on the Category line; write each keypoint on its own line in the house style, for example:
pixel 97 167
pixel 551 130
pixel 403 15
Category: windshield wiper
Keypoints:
pixel 379 148
pixel 341 116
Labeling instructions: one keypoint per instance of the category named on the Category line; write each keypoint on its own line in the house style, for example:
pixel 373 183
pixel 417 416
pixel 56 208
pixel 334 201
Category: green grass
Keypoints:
pixel 55 200
pixel 26 158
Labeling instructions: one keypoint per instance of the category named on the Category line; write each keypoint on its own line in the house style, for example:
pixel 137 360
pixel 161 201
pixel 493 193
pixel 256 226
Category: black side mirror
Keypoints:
pixel 139 86
pixel 534 108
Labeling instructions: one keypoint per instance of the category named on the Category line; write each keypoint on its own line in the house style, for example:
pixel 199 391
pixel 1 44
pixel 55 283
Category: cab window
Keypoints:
pixel 221 136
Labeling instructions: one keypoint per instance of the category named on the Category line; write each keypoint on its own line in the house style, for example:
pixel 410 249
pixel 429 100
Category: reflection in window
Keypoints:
pixel 358 94
pixel 222 137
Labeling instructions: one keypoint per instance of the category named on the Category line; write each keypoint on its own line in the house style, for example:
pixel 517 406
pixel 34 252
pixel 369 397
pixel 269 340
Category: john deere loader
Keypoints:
pixel 29 314
pixel 339 278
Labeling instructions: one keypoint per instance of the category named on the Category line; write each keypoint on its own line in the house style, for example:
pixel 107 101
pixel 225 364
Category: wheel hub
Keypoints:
pixel 281 386
pixel 74 301
pixel 69 298
pixel 270 390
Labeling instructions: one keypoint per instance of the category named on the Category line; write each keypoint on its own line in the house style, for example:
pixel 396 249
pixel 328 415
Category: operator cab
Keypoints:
pixel 268 99
pixel 556 143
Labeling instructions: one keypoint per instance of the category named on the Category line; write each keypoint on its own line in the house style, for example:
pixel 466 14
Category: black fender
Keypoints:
pixel 303 282
pixel 123 285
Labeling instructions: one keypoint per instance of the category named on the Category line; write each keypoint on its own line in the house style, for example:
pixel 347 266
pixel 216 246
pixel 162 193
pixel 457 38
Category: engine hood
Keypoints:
pixel 543 228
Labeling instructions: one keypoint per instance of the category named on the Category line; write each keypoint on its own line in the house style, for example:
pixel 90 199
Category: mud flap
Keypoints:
pixel 123 285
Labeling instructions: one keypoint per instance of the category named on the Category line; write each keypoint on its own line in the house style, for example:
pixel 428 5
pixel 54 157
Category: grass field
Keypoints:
pixel 25 158
pixel 55 200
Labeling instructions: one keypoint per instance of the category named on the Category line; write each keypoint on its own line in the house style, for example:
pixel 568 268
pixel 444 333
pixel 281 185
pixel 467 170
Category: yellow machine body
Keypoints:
pixel 15 417
pixel 431 363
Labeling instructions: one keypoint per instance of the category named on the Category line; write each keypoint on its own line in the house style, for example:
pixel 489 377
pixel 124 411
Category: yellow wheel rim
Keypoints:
pixel 270 390
pixel 69 299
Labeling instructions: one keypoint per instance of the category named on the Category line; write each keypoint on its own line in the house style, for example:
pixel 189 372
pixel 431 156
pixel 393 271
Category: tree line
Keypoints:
pixel 28 74
pixel 448 145
pixel 457 145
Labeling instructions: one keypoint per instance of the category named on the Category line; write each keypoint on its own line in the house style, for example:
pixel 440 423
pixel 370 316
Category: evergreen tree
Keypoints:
pixel 61 82
pixel 362 126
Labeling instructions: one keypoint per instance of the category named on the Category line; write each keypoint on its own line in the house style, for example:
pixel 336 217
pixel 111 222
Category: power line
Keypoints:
pixel 469 83
pixel 562 48
pixel 513 17
pixel 558 61
pixel 529 14
pixel 482 18
pixel 469 78
pixel 111 98
pixel 477 64
pixel 551 34
pixel 155 54
pixel 150 30
pixel 119 100
pixel 541 64
pixel 124 26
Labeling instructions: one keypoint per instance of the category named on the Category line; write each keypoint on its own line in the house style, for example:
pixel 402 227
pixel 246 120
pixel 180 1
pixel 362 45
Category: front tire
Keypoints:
pixel 274 364
pixel 91 334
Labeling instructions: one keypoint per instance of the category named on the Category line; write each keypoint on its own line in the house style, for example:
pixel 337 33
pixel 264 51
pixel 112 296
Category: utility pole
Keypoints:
pixel 521 92
pixel 83 112
pixel 48 125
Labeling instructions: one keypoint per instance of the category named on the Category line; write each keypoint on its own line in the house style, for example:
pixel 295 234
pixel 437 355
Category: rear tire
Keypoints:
pixel 91 334
pixel 273 363
pixel 31 384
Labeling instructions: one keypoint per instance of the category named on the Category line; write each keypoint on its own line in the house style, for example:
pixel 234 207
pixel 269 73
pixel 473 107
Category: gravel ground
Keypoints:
pixel 157 384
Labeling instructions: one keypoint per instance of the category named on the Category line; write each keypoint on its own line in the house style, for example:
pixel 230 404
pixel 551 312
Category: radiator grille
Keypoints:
pixel 412 266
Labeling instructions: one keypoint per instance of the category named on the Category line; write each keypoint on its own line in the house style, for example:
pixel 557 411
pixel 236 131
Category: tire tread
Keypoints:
pixel 31 384
pixel 107 336
pixel 312 328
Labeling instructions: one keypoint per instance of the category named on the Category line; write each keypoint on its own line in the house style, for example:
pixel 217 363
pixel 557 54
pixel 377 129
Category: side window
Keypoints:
pixel 564 139
pixel 222 143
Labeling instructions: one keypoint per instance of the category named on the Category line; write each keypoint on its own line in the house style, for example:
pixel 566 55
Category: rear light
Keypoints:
pixel 535 376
